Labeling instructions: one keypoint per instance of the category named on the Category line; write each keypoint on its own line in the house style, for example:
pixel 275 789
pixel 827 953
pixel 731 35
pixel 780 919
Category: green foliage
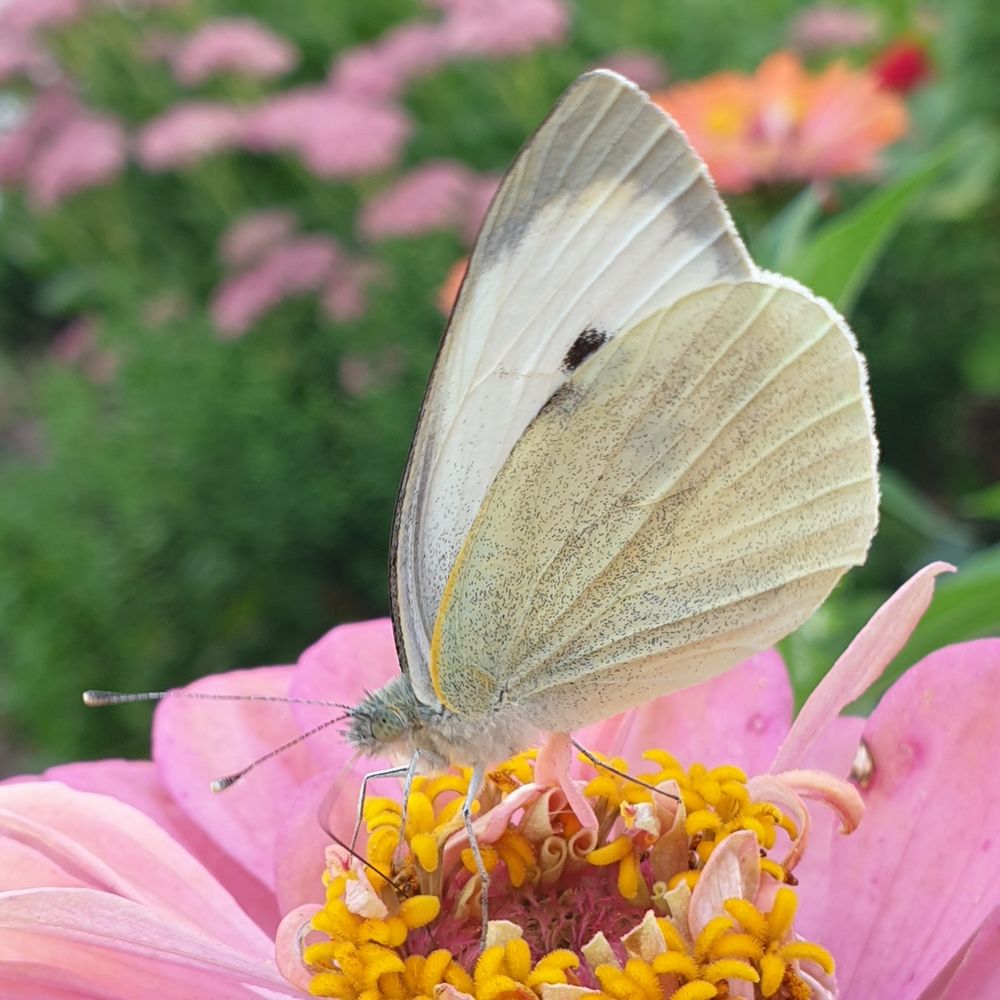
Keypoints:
pixel 221 504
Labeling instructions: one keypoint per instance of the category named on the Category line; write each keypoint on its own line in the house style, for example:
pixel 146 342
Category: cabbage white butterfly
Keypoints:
pixel 640 458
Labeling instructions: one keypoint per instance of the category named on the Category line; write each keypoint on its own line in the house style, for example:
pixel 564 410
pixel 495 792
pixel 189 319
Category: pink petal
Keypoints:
pixel 862 663
pixel 820 786
pixel 114 848
pixel 197 741
pixel 24 867
pixel 552 768
pixel 112 944
pixel 923 871
pixel 739 717
pixel 973 971
pixel 287 950
pixel 138 784
pixel 731 872
pixel 343 666
pixel 302 841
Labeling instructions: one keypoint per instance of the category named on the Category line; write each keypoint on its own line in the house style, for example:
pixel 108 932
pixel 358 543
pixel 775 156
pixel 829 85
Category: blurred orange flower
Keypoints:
pixel 784 124
pixel 448 292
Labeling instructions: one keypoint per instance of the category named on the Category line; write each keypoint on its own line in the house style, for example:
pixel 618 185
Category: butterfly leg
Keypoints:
pixel 390 772
pixel 475 784
pixel 411 772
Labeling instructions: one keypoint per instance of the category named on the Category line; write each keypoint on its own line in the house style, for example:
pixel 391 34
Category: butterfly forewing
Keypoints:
pixel 606 216
pixel 689 496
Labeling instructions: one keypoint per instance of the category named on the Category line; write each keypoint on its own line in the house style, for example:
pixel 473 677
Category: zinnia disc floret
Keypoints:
pixel 676 883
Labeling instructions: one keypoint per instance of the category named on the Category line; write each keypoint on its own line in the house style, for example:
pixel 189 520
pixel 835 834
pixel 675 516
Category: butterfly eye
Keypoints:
pixel 386 725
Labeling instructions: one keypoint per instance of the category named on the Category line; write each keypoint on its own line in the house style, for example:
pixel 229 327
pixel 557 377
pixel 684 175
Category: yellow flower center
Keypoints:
pixel 559 893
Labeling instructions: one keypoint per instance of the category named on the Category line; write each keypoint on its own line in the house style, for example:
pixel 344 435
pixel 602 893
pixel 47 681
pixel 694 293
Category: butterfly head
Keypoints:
pixel 385 722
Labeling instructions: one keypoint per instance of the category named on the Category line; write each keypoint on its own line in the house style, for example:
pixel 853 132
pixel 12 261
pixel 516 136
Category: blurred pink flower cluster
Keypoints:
pixel 78 344
pixel 269 261
pixel 467 28
pixel 342 128
pixel 240 46
pixel 60 148
pixel 833 26
pixel 441 194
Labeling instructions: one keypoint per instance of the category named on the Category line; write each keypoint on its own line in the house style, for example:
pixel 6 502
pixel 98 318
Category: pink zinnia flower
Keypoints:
pixel 83 153
pixel 337 135
pixel 295 266
pixel 233 45
pixel 833 26
pixel 783 124
pixel 248 237
pixel 122 872
pixel 187 133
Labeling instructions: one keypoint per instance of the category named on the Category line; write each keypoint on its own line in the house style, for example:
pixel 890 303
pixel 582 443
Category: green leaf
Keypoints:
pixel 983 503
pixel 778 244
pixel 910 507
pixel 837 262
pixel 965 606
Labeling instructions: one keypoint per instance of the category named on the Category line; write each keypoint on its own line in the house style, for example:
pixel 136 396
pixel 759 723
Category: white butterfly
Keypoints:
pixel 640 459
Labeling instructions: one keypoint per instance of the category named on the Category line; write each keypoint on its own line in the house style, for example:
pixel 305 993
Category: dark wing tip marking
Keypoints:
pixel 585 344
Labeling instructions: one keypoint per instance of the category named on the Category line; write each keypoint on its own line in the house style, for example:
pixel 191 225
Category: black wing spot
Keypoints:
pixel 582 348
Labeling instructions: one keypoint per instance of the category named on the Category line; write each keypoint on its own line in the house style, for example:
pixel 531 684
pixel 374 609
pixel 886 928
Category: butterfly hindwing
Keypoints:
pixel 689 496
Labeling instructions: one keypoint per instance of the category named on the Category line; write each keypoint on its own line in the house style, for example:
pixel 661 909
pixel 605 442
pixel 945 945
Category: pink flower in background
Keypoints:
pixel 345 297
pixel 52 108
pixel 441 194
pixel 833 26
pixel 32 15
pixel 643 68
pixel 187 133
pixel 785 124
pixel 381 70
pixel 336 135
pixel 123 872
pixel 486 28
pixel 248 237
pixel 234 45
pixel 83 153
pixel 78 344
pixel 20 56
pixel 433 196
pixel 299 265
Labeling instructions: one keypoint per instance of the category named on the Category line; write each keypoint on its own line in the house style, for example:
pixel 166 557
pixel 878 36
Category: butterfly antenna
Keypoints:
pixel 99 699
pixel 221 784
pixel 605 766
